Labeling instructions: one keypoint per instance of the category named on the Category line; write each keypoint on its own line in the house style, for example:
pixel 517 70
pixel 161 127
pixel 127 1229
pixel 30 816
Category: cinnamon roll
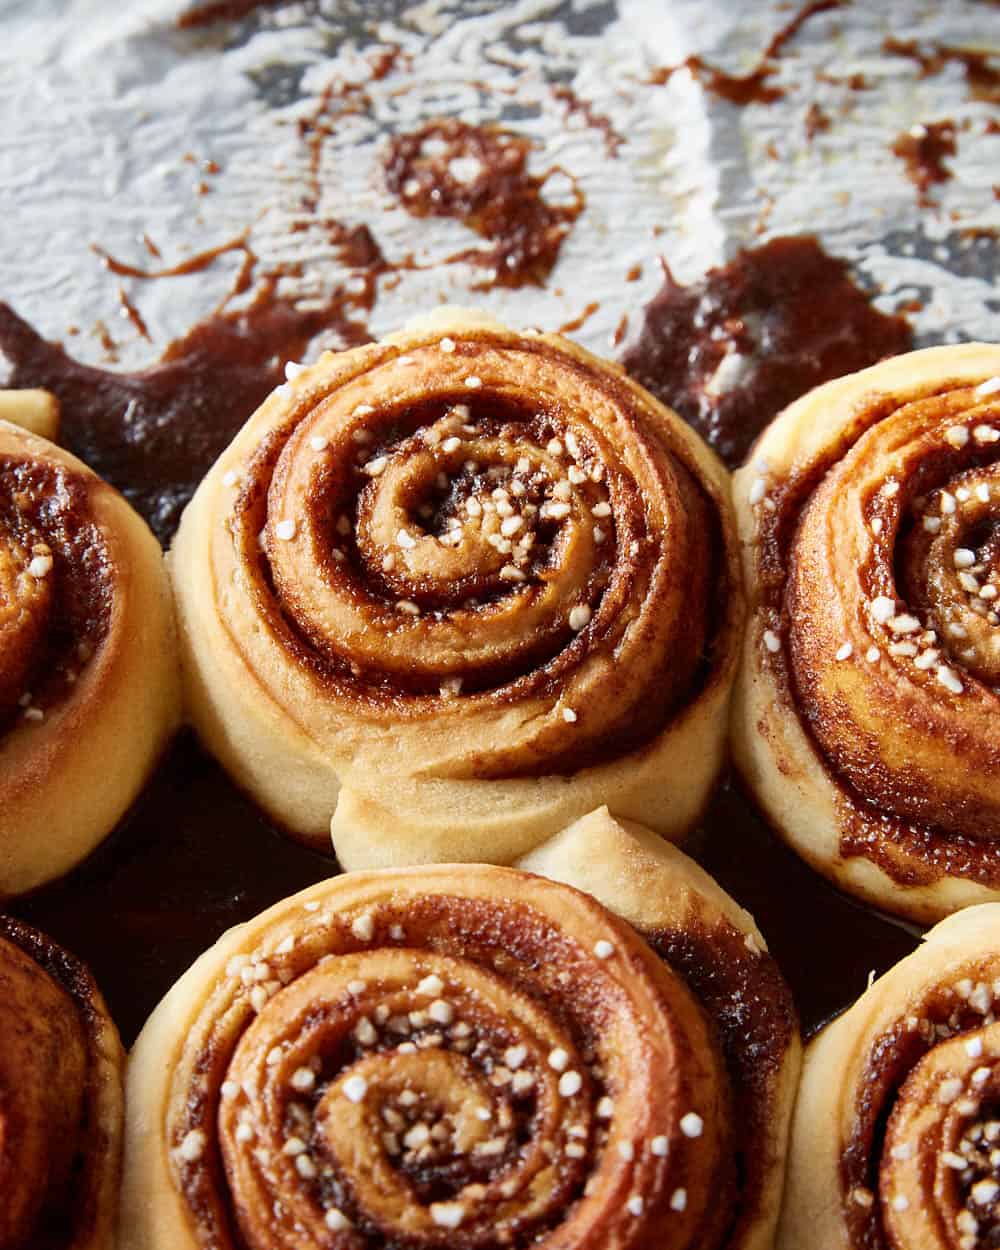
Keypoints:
pixel 60 1099
pixel 471 1056
pixel 456 589
pixel 89 687
pixel 896 1136
pixel 866 710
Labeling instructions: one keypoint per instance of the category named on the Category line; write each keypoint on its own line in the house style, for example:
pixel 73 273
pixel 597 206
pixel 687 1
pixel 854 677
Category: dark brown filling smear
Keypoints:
pixel 155 434
pixel 753 1015
pixel 42 503
pixel 786 314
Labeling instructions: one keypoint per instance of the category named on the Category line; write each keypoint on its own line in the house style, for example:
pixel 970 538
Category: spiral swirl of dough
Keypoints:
pixel 455 589
pixel 866 717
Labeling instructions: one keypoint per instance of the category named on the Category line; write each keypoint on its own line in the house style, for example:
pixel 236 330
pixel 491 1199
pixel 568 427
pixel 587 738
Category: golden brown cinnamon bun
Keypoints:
pixel 60 1099
pixel 470 1056
pixel 896 1133
pixel 866 714
pixel 89 684
pixel 455 589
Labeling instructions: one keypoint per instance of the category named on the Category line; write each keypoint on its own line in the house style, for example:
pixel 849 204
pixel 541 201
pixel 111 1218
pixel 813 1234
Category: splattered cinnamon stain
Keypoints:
pixel 733 349
pixel 197 263
pixel 923 150
pixel 155 433
pixel 579 321
pixel 223 11
pixel 478 175
pixel 816 121
pixel 576 106
pixel 129 310
pixel 337 100
pixel 982 77
pixel 754 87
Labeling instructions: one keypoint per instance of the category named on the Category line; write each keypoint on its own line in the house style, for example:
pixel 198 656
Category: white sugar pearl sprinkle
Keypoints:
pixel 604 949
pixel 355 1088
pixel 626 1150
pixel 285 530
pixel 363 927
pixel 570 1083
pixel 692 1125
pixel 558 1059
pixel 40 567
pixel 634 1205
pixel 193 1146
pixel 678 1200
pixel 845 651
pixel 772 641
pixel 569 716
pixel 336 1220
pixel 579 617
pixel 447 1214
pixel 659 1147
